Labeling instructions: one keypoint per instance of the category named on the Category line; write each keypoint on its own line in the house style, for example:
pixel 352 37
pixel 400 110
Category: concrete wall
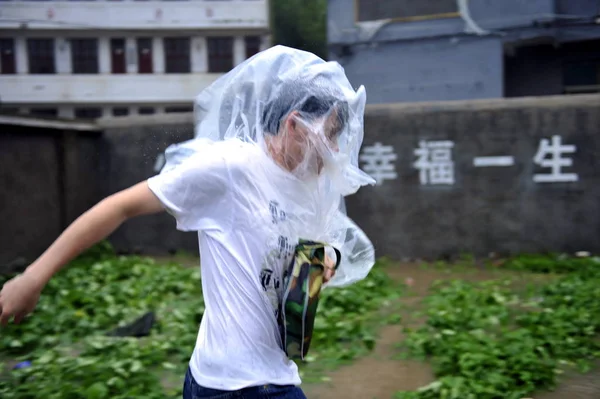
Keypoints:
pixel 134 145
pixel 442 206
pixel 441 69
pixel 29 166
pixel 48 178
pixel 452 206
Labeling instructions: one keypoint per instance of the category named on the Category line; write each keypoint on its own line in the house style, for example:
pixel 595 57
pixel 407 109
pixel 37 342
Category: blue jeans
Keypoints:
pixel 191 390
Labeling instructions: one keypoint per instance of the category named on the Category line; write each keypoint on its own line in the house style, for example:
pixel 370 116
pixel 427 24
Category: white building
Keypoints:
pixel 90 59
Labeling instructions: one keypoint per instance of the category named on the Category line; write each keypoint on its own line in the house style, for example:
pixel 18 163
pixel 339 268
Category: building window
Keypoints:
pixel 581 77
pixel 44 112
pixel 7 54
pixel 117 55
pixel 220 54
pixel 146 111
pixel 177 54
pixel 252 46
pixel 120 111
pixel 178 110
pixel 144 48
pixel 40 55
pixel 84 55
pixel 9 110
pixel 88 113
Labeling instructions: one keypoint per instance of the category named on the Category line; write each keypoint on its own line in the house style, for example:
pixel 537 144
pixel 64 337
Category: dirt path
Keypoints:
pixel 377 376
pixel 380 375
pixel 576 386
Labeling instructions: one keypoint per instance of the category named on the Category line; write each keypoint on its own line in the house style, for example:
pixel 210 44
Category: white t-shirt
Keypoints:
pixel 242 204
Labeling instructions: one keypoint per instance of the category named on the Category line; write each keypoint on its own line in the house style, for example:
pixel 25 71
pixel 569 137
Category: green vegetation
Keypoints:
pixel 300 24
pixel 497 340
pixel 502 339
pixel 72 357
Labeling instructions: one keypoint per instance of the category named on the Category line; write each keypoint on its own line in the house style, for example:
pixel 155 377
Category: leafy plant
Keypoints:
pixel 344 327
pixel 71 356
pixel 486 342
pixel 301 24
pixel 552 263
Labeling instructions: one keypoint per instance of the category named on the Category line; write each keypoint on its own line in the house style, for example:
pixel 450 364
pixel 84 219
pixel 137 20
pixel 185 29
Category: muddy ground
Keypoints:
pixel 380 375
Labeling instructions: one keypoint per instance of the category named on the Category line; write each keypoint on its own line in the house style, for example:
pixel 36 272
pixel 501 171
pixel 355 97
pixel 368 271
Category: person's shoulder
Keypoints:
pixel 232 157
pixel 229 153
pixel 239 155
pixel 235 147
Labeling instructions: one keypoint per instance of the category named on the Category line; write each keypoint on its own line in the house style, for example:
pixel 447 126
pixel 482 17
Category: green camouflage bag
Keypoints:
pixel 302 283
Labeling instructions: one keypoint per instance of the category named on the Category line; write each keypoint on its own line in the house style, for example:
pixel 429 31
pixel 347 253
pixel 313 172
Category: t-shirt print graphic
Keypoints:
pixel 277 215
pixel 271 284
pixel 279 250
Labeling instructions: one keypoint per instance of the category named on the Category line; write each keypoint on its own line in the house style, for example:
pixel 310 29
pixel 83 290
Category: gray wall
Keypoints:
pixel 50 177
pixel 47 178
pixel 491 209
pixel 134 144
pixel 494 209
pixel 429 69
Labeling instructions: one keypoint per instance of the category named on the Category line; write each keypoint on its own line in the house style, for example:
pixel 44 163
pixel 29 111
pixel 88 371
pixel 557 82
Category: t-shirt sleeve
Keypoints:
pixel 196 192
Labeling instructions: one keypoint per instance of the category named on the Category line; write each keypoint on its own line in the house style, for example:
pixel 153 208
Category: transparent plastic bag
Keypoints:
pixel 302 113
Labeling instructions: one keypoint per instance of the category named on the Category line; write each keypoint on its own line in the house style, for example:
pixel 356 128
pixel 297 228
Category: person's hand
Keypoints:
pixel 329 269
pixel 18 298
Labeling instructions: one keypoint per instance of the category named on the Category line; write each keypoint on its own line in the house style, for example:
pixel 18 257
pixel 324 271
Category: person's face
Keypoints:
pixel 305 144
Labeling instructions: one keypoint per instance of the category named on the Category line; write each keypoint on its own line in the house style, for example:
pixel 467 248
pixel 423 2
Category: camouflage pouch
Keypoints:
pixel 302 283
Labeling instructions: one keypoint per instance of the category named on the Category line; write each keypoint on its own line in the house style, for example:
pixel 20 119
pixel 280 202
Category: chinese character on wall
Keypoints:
pixel 378 162
pixel 435 162
pixel 550 154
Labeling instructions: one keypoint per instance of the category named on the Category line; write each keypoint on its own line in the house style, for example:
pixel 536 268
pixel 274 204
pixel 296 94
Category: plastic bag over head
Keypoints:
pixel 302 113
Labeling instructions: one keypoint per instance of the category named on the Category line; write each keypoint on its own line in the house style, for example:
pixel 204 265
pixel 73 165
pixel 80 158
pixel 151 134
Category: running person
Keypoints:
pixel 275 151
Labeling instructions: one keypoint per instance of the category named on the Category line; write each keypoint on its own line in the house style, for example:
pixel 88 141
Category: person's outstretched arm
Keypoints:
pixel 20 295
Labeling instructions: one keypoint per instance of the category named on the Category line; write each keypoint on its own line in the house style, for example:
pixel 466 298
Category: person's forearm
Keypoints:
pixel 90 228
